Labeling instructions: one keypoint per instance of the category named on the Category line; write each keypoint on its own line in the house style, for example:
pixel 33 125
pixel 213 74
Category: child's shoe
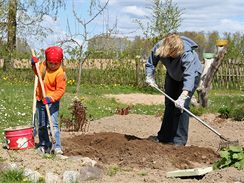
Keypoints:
pixel 41 150
pixel 58 151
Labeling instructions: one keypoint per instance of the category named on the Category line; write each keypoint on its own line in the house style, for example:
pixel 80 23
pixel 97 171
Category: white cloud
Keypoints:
pixel 201 15
pixel 134 10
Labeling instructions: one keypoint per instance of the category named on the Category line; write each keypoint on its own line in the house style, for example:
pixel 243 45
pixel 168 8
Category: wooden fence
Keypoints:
pixel 230 75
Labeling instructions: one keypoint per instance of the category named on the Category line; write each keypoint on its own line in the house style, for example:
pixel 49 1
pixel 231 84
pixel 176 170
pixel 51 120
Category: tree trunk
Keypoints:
pixel 137 71
pixel 11 26
pixel 79 79
pixel 207 78
pixel 79 75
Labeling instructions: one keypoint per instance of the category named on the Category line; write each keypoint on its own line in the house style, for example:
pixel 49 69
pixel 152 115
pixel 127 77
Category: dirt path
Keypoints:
pixel 138 98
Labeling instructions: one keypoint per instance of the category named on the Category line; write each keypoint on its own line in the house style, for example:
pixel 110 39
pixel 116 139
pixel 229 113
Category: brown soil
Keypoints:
pixel 129 150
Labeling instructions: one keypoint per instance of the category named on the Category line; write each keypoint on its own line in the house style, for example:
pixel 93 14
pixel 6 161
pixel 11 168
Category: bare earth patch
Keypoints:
pixel 138 98
pixel 121 140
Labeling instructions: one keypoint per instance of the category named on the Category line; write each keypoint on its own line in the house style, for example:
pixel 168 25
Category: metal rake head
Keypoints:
pixel 227 144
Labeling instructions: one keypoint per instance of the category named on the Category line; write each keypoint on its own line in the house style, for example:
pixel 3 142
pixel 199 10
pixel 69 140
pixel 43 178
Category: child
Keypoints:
pixel 54 80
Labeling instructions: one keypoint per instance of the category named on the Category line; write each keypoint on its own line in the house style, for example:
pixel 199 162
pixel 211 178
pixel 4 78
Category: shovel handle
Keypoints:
pixel 44 95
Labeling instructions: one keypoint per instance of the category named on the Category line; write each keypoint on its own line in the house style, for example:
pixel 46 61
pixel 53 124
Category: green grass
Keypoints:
pixel 228 98
pixel 15 104
pixel 148 109
pixel 16 176
pixel 13 176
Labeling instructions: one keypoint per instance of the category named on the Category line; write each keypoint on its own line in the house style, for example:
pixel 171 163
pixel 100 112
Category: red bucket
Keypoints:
pixel 19 138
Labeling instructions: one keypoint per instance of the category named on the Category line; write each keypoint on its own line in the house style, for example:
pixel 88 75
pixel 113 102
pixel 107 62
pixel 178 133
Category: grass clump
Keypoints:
pixel 197 110
pixel 224 112
pixel 13 176
pixel 113 170
pixel 238 113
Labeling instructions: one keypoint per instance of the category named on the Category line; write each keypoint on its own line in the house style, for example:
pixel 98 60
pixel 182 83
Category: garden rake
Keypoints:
pixel 44 95
pixel 224 141
pixel 34 107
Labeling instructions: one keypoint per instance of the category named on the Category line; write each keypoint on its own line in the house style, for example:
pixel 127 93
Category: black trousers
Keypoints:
pixel 174 128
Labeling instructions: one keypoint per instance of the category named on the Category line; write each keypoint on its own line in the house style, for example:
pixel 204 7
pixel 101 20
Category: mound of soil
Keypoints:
pixel 129 150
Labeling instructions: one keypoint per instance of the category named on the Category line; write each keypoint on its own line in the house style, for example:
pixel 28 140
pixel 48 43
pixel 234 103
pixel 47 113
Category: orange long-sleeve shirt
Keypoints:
pixel 54 83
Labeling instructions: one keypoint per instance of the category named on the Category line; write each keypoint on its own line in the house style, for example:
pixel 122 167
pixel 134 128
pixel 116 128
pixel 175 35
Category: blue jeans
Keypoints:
pixel 174 127
pixel 43 124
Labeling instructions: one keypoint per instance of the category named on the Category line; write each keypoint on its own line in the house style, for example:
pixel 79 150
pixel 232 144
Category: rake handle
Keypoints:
pixel 44 95
pixel 193 115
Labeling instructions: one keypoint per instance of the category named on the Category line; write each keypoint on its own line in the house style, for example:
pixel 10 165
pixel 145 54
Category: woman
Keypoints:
pixel 184 68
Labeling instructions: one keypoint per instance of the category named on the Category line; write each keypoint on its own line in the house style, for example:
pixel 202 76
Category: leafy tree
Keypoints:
pixel 235 46
pixel 165 18
pixel 22 18
pixel 200 39
pixel 210 46
pixel 107 46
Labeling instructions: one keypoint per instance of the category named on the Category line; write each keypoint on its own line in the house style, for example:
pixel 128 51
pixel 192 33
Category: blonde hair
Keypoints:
pixel 172 46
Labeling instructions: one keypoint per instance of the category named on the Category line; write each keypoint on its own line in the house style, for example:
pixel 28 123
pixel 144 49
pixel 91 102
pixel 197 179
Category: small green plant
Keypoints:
pixel 143 174
pixel 224 112
pixel 238 113
pixel 1 159
pixel 231 157
pixel 113 170
pixel 198 111
pixel 13 176
pixel 48 156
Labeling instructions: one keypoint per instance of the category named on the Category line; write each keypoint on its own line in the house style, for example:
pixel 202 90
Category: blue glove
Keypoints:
pixel 34 60
pixel 47 100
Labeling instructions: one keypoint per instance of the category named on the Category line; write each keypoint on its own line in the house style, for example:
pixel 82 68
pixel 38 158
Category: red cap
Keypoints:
pixel 54 54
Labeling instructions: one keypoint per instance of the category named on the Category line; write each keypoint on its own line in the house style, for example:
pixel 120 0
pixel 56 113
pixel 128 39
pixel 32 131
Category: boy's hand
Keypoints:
pixel 34 60
pixel 47 100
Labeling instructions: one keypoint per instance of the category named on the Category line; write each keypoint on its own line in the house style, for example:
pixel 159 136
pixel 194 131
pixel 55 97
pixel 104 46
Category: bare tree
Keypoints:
pixel 77 42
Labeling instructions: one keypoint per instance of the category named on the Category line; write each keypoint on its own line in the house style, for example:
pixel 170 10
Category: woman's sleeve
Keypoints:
pixel 189 70
pixel 152 62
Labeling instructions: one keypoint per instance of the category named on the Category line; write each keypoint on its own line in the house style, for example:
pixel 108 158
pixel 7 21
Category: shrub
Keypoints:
pixel 238 113
pixel 224 112
pixel 78 119
pixel 198 111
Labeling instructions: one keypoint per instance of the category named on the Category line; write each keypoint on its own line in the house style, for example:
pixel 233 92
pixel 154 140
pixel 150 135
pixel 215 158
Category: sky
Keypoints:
pixel 197 15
